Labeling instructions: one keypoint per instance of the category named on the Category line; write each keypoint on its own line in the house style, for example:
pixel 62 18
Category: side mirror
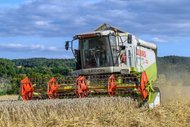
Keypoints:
pixel 129 39
pixel 66 45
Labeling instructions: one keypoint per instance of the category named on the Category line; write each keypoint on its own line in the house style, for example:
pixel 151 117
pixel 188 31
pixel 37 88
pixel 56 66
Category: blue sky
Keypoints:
pixel 39 28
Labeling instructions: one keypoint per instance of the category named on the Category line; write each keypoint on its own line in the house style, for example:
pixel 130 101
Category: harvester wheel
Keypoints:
pixel 26 89
pixel 81 87
pixel 52 88
pixel 111 85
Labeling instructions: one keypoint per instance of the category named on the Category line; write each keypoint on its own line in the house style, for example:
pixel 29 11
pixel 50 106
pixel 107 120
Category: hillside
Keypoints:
pixel 173 64
pixel 45 66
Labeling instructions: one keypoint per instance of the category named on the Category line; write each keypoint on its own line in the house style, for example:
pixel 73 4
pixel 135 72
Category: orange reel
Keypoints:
pixel 111 85
pixel 81 87
pixel 26 89
pixel 52 88
pixel 143 83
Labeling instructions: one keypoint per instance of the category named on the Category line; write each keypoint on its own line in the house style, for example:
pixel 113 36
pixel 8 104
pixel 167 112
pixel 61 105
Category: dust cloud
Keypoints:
pixel 174 86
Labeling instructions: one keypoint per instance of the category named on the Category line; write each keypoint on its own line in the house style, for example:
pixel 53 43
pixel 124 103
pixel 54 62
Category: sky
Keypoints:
pixel 39 28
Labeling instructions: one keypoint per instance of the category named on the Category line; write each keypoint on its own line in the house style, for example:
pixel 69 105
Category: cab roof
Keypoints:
pixel 106 26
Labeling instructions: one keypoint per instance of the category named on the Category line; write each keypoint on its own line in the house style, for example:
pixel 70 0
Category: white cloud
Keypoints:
pixel 29 48
pixel 41 23
pixel 159 39
pixel 52 48
pixel 80 21
pixel 13 45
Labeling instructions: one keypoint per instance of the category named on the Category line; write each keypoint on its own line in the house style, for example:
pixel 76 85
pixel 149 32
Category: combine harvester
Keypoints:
pixel 109 62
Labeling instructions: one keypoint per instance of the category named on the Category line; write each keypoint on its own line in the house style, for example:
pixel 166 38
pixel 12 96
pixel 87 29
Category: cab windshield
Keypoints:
pixel 96 52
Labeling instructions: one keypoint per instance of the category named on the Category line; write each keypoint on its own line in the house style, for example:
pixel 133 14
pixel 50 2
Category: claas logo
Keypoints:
pixel 141 53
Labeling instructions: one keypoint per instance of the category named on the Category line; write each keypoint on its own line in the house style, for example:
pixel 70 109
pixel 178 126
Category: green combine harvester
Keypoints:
pixel 109 62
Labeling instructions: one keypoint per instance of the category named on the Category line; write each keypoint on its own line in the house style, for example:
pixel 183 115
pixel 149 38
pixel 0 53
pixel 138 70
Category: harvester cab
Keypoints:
pixel 122 59
pixel 111 62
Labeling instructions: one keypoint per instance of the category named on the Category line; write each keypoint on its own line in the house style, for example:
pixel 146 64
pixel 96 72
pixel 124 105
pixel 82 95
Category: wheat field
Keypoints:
pixel 92 112
pixel 100 112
